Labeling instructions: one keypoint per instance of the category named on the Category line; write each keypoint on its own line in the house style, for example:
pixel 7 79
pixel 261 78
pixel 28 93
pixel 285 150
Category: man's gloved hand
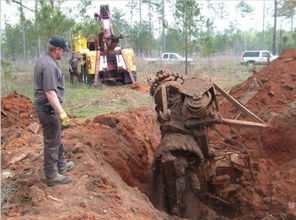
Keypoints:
pixel 65 120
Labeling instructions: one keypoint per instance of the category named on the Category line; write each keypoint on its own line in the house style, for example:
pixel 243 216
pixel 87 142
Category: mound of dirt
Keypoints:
pixel 18 124
pixel 126 140
pixel 113 155
pixel 275 86
pixel 270 94
pixel 144 88
pixel 16 110
pixel 106 151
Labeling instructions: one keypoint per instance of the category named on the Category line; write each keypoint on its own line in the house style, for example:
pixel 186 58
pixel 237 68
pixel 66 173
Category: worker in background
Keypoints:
pixel 81 68
pixel 73 65
pixel 48 96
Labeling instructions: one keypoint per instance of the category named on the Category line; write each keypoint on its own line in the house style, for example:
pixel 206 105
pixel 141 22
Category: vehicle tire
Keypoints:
pixel 89 79
pixel 135 76
pixel 84 74
pixel 250 64
pixel 126 78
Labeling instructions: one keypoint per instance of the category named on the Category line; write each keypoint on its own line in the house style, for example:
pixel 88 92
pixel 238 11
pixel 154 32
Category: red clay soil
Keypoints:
pixel 126 140
pixel 272 96
pixel 106 151
pixel 275 102
pixel 16 110
pixel 113 155
pixel 144 88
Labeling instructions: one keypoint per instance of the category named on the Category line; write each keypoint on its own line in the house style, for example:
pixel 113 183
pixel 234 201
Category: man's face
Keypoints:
pixel 59 53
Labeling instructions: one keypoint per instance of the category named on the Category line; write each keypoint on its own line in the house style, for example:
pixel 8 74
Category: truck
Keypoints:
pixel 170 58
pixel 256 57
pixel 101 57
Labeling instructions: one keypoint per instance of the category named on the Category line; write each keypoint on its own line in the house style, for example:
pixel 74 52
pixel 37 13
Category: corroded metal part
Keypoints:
pixel 196 104
pixel 177 142
pixel 162 76
pixel 196 86
pixel 229 163
pixel 186 107
pixel 178 100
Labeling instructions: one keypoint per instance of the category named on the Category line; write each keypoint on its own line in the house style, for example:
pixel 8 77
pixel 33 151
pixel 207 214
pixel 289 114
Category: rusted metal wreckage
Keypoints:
pixel 186 170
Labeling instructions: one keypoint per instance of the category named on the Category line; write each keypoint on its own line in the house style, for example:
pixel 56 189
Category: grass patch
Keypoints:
pixel 97 109
pixel 83 101
pixel 21 82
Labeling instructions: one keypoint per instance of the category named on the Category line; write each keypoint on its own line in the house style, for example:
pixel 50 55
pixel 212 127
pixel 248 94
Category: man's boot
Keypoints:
pixel 68 166
pixel 58 179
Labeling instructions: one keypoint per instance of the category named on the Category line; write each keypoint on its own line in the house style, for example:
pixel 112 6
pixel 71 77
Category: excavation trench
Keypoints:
pixel 272 150
pixel 127 141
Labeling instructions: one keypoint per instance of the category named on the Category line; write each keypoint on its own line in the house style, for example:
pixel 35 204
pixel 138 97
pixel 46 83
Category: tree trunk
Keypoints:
pixel 150 25
pixel 37 28
pixel 186 40
pixel 52 3
pixel 281 43
pixel 163 29
pixel 274 28
pixel 263 27
pixel 292 21
pixel 23 31
pixel 141 47
pixel 150 18
pixel 159 48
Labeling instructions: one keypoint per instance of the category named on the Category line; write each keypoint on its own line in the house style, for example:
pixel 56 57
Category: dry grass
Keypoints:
pixel 225 70
pixel 84 101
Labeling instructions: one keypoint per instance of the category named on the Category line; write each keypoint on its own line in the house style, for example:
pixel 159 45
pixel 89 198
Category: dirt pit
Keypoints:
pixel 113 154
pixel 270 94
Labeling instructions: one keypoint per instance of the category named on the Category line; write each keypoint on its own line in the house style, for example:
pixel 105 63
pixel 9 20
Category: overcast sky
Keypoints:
pixel 9 13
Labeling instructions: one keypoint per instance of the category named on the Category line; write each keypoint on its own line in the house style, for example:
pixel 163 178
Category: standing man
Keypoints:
pixel 48 96
pixel 73 67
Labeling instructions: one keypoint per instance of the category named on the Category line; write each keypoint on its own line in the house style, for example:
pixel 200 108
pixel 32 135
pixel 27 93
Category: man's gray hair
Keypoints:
pixel 50 47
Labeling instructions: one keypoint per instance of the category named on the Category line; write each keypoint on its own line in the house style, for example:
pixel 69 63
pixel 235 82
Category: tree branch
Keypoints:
pixel 17 2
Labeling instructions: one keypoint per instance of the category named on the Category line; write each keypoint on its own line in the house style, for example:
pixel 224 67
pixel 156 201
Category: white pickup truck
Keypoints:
pixel 170 58
pixel 252 57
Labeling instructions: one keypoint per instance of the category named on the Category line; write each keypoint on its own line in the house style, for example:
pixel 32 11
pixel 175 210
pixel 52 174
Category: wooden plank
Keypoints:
pixel 237 104
pixel 192 123
pixel 243 123
pixel 165 115
pixel 164 99
pixel 244 99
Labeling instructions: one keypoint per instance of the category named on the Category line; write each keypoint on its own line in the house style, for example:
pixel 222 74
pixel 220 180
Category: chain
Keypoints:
pixel 161 76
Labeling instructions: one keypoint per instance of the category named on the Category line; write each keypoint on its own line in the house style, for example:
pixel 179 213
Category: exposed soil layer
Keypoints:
pixel 113 155
pixel 274 100
pixel 17 111
pixel 106 150
pixel 126 140
pixel 270 94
